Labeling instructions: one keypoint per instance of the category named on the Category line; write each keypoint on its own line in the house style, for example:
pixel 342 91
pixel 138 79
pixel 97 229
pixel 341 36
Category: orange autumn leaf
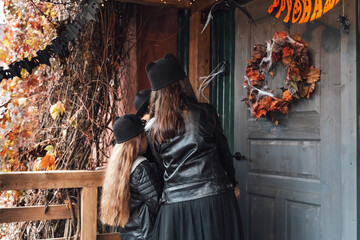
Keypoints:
pixel 265 102
pixel 47 161
pixel 287 96
pixel 254 76
pixel 274 106
pixel 313 75
pixel 287 52
pixel 285 110
pixel 311 90
pixel 281 34
pixel 260 113
pixel 286 60
pixel 296 37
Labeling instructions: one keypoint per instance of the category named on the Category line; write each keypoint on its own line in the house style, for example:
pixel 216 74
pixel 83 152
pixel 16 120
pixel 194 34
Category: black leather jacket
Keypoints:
pixel 145 192
pixel 198 163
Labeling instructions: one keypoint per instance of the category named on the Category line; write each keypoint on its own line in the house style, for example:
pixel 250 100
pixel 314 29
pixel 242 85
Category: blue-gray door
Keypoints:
pixel 299 182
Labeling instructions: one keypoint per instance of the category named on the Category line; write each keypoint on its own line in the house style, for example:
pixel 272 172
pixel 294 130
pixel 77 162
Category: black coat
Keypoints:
pixel 197 163
pixel 145 192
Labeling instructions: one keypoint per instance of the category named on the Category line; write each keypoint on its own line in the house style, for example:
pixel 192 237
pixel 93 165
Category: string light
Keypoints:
pixel 190 1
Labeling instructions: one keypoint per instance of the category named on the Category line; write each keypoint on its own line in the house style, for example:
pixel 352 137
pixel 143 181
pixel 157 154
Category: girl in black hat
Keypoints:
pixel 141 104
pixel 199 177
pixel 131 189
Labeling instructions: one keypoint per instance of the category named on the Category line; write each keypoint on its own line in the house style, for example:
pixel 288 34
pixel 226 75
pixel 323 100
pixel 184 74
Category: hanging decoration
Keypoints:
pixel 57 46
pixel 344 21
pixel 301 9
pixel 299 82
pixel 222 68
pixel 227 5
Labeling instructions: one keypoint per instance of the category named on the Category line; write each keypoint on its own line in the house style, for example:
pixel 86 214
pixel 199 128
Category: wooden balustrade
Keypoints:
pixel 88 181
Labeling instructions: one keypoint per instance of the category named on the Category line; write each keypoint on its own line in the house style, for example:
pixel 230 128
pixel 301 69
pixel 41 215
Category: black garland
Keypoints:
pixel 57 46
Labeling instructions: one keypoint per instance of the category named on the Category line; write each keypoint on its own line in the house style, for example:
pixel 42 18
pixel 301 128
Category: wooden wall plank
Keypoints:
pixel 32 213
pixel 108 236
pixel 88 213
pixel 199 51
pixel 50 179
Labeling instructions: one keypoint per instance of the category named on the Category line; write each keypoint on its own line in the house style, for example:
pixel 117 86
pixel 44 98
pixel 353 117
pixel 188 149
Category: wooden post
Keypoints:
pixel 88 213
pixel 199 52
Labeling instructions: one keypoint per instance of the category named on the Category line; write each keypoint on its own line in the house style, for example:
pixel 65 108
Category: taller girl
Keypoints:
pixel 199 176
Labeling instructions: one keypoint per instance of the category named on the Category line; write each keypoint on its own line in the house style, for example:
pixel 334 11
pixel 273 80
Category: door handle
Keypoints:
pixel 239 157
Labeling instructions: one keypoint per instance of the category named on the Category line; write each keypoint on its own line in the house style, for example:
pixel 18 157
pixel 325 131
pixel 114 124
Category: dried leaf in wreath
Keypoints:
pixel 313 75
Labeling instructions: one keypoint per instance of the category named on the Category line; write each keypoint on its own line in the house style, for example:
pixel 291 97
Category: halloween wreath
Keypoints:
pixel 299 82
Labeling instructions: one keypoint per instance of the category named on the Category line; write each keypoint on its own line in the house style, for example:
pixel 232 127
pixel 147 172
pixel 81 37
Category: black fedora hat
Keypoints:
pixel 164 72
pixel 141 101
pixel 126 127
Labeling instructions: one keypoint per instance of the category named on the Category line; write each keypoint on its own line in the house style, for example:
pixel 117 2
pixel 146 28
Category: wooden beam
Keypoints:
pixel 200 5
pixel 199 52
pixel 33 213
pixel 50 179
pixel 103 236
pixel 108 236
pixel 88 213
pixel 71 238
pixel 172 3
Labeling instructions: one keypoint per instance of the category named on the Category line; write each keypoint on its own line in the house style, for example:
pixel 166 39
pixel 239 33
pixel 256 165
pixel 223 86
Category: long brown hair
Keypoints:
pixel 115 198
pixel 167 105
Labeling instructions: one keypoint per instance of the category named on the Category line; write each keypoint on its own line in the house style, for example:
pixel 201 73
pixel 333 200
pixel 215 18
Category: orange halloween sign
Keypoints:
pixel 302 11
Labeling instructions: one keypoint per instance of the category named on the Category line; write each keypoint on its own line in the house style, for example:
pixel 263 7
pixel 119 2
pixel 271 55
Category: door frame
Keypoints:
pixel 349 123
pixel 358 112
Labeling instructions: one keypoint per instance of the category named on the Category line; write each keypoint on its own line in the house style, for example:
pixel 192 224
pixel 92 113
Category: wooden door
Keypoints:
pixel 299 182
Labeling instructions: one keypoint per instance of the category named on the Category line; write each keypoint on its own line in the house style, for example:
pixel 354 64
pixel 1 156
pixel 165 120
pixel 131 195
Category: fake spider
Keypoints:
pixel 344 21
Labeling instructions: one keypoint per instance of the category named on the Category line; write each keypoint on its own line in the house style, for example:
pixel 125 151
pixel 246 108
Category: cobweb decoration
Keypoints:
pixel 206 80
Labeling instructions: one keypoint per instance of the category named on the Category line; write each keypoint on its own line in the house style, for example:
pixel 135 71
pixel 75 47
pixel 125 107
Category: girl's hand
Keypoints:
pixel 237 192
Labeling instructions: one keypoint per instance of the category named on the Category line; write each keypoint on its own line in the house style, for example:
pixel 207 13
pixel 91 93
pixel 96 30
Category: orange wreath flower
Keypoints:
pixel 300 79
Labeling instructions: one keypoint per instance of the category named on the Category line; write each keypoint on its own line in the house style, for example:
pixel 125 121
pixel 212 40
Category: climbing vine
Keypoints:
pixel 58 117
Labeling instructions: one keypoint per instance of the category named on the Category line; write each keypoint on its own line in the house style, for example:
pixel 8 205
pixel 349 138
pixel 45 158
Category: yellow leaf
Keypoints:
pixel 73 122
pixel 24 73
pixel 57 110
pixel 51 167
pixel 37 165
pixel 49 149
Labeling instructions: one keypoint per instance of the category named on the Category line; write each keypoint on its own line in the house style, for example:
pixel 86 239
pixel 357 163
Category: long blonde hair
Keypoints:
pixel 115 198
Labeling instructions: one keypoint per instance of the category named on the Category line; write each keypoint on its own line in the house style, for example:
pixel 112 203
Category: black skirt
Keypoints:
pixel 210 218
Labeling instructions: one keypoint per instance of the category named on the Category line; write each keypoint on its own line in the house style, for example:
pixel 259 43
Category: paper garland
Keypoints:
pixel 57 46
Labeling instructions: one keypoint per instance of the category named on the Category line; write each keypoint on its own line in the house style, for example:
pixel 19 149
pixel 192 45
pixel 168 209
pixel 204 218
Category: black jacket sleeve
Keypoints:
pixel 147 186
pixel 223 149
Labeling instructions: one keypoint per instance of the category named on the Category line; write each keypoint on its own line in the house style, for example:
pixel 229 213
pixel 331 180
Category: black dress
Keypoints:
pixel 198 200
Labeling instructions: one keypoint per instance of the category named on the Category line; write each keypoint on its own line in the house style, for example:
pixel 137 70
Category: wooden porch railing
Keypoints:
pixel 88 181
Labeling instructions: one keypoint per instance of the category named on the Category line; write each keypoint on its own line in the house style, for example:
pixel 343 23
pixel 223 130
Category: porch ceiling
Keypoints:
pixel 197 5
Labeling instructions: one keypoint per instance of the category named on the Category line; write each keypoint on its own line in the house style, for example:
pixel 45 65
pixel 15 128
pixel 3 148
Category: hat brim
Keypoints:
pixel 142 109
pixel 131 136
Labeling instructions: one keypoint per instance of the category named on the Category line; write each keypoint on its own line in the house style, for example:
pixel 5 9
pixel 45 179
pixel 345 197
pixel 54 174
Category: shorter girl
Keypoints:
pixel 131 190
